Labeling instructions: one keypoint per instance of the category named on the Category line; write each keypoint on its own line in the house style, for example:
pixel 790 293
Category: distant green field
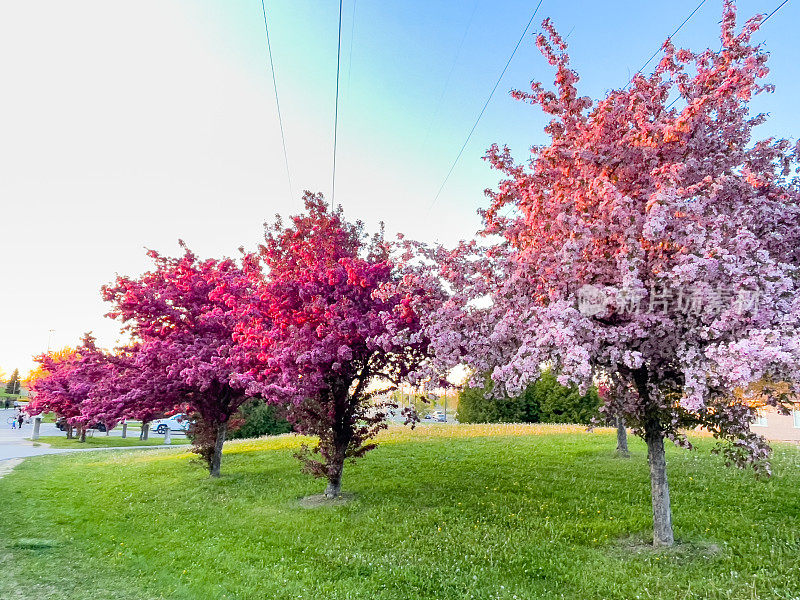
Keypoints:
pixel 441 513
pixel 101 440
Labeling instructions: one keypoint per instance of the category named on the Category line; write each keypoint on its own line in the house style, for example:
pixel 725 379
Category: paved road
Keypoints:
pixel 13 442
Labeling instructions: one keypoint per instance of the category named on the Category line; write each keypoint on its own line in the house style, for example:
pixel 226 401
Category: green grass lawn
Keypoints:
pixel 101 440
pixel 443 513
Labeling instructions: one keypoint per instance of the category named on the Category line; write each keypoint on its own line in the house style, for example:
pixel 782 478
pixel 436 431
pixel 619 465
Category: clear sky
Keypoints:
pixel 126 125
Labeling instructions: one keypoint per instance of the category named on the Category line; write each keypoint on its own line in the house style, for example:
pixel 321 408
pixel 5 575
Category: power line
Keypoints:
pixel 350 54
pixel 674 33
pixel 277 102
pixel 780 6
pixel 336 109
pixel 450 74
pixel 485 104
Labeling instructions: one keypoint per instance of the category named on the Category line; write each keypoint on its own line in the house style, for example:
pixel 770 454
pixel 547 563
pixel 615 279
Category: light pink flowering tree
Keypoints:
pixel 650 245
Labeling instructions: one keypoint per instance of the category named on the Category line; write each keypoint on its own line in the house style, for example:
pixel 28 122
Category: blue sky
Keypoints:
pixel 131 125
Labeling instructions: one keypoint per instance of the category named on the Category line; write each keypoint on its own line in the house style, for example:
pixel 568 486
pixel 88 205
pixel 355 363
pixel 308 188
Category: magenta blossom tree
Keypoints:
pixel 652 245
pixel 68 385
pixel 136 386
pixel 336 326
pixel 182 316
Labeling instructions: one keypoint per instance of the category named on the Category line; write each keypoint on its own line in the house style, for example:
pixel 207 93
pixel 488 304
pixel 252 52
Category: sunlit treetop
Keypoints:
pixel 653 242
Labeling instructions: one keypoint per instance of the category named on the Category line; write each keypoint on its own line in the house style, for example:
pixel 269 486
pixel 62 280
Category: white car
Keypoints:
pixel 178 423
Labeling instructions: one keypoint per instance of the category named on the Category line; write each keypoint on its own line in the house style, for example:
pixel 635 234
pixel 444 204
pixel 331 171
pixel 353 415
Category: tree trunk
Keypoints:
pixel 145 433
pixel 216 458
pixel 662 514
pixel 622 439
pixel 335 468
pixel 659 487
pixel 124 430
pixel 69 432
pixel 334 487
pixel 82 429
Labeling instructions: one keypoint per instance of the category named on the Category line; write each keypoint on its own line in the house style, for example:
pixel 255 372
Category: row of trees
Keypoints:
pixel 651 248
pixel 321 320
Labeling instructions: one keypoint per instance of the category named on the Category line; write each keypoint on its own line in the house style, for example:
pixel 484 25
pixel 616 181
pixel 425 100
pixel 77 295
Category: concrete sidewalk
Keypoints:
pixel 14 446
pixel 13 443
pixel 6 466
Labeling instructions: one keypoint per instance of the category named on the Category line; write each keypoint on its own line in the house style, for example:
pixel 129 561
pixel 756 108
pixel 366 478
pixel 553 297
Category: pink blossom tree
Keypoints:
pixel 182 316
pixel 136 386
pixel 652 244
pixel 67 384
pixel 335 328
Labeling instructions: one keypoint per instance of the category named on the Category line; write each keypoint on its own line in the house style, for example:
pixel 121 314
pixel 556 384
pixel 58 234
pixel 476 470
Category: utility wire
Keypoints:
pixel 674 33
pixel 450 74
pixel 277 103
pixel 350 54
pixel 336 109
pixel 780 6
pixel 485 104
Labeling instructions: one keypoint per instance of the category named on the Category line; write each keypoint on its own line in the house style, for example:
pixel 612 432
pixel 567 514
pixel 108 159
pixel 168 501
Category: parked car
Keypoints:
pixel 61 423
pixel 438 416
pixel 178 423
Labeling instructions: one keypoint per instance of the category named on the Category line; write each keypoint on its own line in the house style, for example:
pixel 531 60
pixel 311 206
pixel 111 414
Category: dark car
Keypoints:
pixel 61 423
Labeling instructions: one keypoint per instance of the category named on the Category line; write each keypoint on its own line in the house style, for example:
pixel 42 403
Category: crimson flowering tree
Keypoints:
pixel 67 382
pixel 137 386
pixel 335 327
pixel 650 246
pixel 181 315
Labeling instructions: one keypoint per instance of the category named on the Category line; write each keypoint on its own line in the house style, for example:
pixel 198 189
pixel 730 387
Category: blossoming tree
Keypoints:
pixel 137 385
pixel 182 315
pixel 65 382
pixel 652 244
pixel 336 326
